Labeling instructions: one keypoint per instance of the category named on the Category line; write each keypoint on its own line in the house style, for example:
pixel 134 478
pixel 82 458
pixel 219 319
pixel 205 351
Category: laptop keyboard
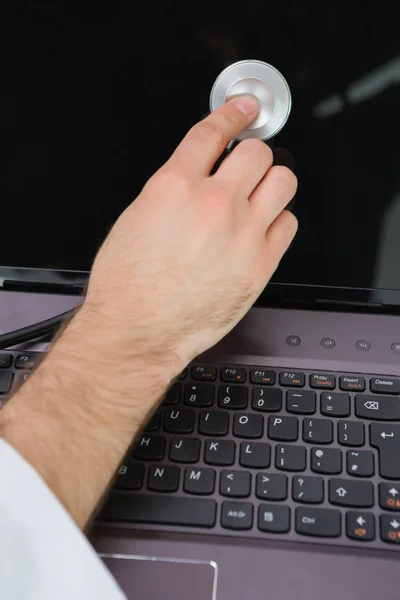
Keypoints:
pixel 262 453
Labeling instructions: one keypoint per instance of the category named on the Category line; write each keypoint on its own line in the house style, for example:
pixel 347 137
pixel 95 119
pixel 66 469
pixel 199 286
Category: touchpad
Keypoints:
pixel 148 578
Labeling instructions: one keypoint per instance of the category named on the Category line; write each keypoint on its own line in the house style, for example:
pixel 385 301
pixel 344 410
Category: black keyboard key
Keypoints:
pixel 204 373
pixel 271 486
pixel 326 460
pixel 183 374
pixel 28 361
pixel 378 408
pixel 360 526
pixel 300 402
pixel 160 510
pixel 199 481
pixel 179 420
pixel 273 518
pixel 387 439
pixel 21 377
pixel 237 515
pixel 385 385
pixel 308 489
pixel 184 450
pixel 150 447
pixel 346 492
pixel 290 458
pixel 154 423
pixel 352 383
pixel 232 396
pixel 335 405
pixel 360 463
pixel 255 455
pixel 292 379
pixel 213 422
pixel 163 478
pixel 262 377
pixel 5 360
pixel 318 431
pixel 267 399
pixel 284 429
pixel 173 395
pixel 325 381
pixel 318 522
pixel 6 378
pixel 199 394
pixel 219 452
pixel 248 426
pixel 130 476
pixel 351 433
pixel 389 496
pixel 233 374
pixel 235 483
pixel 390 529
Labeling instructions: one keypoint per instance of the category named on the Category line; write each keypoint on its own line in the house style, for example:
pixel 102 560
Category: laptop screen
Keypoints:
pixel 94 102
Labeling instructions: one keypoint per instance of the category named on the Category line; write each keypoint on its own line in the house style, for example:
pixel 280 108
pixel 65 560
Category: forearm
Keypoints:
pixel 76 416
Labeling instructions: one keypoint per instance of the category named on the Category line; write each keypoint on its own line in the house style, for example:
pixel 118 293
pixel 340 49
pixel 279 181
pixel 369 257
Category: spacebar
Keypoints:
pixel 161 510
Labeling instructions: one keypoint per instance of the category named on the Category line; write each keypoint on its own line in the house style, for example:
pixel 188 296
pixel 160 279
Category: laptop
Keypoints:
pixel 272 467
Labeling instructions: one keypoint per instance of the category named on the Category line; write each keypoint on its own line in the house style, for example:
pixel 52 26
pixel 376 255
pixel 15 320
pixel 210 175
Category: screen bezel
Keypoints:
pixel 283 295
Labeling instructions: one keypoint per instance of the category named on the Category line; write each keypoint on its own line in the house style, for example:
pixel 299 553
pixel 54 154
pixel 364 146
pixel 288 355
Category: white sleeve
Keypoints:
pixel 43 554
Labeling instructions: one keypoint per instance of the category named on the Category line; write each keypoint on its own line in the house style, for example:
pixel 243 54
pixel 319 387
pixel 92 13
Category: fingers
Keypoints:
pixel 243 170
pixel 202 146
pixel 279 236
pixel 273 195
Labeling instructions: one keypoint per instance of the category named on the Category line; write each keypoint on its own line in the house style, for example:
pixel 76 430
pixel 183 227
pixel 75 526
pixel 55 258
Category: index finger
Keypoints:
pixel 203 145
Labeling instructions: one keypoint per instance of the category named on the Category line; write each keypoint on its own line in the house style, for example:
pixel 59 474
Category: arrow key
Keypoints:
pixel 389 496
pixel 236 484
pixel 390 529
pixel 360 526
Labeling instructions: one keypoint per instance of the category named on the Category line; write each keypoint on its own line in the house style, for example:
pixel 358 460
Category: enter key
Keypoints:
pixel 387 439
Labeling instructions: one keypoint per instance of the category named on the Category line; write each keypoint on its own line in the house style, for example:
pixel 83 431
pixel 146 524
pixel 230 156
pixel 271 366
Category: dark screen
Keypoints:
pixel 93 102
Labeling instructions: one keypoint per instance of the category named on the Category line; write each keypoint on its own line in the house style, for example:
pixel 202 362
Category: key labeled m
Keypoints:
pixel 195 475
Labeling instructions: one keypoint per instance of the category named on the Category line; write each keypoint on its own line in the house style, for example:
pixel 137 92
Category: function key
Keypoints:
pixel 204 373
pixel 360 526
pixel 389 496
pixel 232 396
pixel 381 385
pixel 262 377
pixel 5 361
pixel 28 361
pixel 352 383
pixel 292 379
pixel 390 529
pixel 233 374
pixel 322 380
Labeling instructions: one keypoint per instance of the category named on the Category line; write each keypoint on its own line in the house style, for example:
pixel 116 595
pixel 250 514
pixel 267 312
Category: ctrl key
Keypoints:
pixel 318 522
pixel 390 529
pixel 237 515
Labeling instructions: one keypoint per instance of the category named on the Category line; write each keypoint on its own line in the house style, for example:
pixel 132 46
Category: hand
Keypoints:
pixel 186 261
